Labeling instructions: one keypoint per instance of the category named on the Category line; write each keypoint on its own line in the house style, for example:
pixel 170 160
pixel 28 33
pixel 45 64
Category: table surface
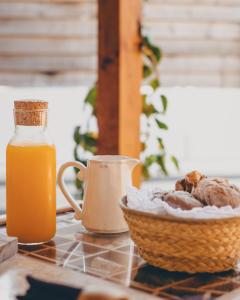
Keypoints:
pixel 115 258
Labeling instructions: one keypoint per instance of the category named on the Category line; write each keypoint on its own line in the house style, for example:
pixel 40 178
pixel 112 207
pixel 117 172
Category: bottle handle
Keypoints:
pixel 63 188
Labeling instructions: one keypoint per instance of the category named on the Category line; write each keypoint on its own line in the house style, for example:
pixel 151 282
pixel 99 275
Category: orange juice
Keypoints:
pixel 31 192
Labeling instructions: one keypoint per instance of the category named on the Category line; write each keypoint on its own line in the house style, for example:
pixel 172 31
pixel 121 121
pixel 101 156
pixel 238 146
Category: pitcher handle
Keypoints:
pixel 63 188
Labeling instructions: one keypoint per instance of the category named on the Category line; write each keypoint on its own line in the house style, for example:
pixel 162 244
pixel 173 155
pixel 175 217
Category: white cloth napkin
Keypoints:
pixel 144 200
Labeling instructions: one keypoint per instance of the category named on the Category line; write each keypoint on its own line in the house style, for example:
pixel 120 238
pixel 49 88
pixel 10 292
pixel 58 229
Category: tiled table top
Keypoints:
pixel 115 258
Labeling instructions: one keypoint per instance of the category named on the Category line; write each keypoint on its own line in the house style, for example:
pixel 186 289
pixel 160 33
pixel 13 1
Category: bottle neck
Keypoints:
pixel 30 128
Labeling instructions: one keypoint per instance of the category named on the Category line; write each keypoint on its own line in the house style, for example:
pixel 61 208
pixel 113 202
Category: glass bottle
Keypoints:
pixel 31 175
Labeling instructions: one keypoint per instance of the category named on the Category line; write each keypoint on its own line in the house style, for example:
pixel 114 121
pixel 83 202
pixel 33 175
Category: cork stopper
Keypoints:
pixel 30 112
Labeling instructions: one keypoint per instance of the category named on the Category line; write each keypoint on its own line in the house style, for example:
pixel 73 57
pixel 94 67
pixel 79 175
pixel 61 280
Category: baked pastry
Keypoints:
pixel 218 192
pixel 189 182
pixel 196 190
pixel 183 185
pixel 194 177
pixel 181 199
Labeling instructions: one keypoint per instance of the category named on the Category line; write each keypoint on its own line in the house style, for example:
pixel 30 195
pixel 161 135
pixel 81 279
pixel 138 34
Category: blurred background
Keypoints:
pixel 48 50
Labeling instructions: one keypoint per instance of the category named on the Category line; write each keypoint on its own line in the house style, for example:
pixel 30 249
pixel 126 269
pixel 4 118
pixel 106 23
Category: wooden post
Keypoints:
pixel 119 77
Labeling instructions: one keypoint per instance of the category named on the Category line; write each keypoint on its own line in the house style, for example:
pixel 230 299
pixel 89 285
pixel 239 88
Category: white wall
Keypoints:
pixel 204 129
pixel 204 124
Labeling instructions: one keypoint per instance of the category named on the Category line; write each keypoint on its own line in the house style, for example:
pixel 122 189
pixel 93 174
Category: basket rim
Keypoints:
pixel 169 218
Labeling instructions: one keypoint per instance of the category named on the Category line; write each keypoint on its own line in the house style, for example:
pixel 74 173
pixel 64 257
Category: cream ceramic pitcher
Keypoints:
pixel 106 179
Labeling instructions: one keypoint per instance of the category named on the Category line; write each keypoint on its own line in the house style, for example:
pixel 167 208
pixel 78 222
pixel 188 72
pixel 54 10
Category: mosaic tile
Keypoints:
pixel 229 274
pixel 224 286
pixel 54 255
pixel 143 287
pixel 71 230
pixel 31 248
pixel 126 260
pixel 192 294
pixel 131 248
pixel 64 217
pixel 236 279
pixel 96 266
pixel 107 241
pixel 201 281
pixel 62 224
pixel 158 277
pixel 171 297
pixel 104 266
pixel 22 252
pixel 114 257
pixel 81 249
pixel 125 278
pixel 57 240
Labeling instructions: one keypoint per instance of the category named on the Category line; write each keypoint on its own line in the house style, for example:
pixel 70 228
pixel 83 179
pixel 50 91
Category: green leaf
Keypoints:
pixel 75 154
pixel 161 144
pixel 147 71
pixel 145 172
pixel 175 162
pixel 161 124
pixel 155 51
pixel 84 162
pixel 164 102
pixel 91 96
pixel 148 109
pixel 76 135
pixel 90 139
pixel 155 83
pixel 162 164
pixel 149 160
pixel 78 183
pixel 144 99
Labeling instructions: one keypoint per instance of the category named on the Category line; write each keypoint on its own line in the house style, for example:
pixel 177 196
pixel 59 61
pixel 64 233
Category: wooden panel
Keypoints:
pixel 49 63
pixel 192 30
pixel 193 12
pixel 43 46
pixel 51 1
pixel 200 63
pixel 48 9
pixel 232 79
pixel 202 79
pixel 48 42
pixel 24 46
pixel 43 79
pixel 119 73
pixel 201 47
pixel 49 28
pixel 202 2
pixel 201 38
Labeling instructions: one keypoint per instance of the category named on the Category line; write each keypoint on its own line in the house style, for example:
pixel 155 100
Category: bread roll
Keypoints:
pixel 181 199
pixel 189 181
pixel 217 192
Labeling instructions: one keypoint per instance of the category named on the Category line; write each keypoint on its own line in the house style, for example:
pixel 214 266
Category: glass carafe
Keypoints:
pixel 31 175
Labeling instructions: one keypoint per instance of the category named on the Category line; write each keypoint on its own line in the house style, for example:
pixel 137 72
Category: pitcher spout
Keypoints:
pixel 133 162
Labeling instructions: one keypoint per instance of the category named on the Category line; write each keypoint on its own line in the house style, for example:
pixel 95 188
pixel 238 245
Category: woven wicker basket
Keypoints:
pixel 186 245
